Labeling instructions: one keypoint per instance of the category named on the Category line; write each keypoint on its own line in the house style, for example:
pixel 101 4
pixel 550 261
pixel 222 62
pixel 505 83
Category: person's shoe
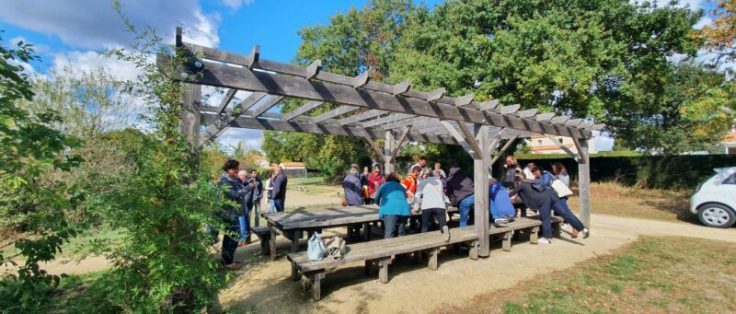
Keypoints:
pixel 574 233
pixel 445 233
pixel 544 241
pixel 233 266
pixel 586 233
pixel 501 222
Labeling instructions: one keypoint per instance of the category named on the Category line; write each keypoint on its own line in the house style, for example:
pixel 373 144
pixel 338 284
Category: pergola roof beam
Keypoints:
pixel 295 85
pixel 302 109
pixel 225 101
pixel 365 115
pixel 334 113
pixel 265 106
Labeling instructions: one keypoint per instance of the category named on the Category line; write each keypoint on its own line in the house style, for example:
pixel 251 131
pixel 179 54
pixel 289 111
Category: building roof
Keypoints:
pixel 293 165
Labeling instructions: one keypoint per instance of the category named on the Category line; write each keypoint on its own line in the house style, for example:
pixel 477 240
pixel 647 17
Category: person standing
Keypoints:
pixel 257 196
pixel 393 208
pixel 421 163
pixel 432 202
pixel 234 191
pixel 352 187
pixel 528 175
pixel 375 179
pixel 278 194
pixel 247 204
pixel 410 183
pixel 269 193
pixel 460 190
pixel 364 184
pixel 438 172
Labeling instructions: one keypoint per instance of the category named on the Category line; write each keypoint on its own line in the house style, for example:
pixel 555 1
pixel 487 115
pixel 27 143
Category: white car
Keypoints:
pixel 714 200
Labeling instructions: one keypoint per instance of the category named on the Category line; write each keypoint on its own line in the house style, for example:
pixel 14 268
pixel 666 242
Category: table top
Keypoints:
pixel 326 217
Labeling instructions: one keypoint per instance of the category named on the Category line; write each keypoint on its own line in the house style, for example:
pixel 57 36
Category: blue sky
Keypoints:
pixel 71 32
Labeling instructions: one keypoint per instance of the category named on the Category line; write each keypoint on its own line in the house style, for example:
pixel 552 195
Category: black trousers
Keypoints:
pixel 433 213
pixel 228 249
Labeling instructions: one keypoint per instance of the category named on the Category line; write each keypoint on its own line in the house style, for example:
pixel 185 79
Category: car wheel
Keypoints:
pixel 716 215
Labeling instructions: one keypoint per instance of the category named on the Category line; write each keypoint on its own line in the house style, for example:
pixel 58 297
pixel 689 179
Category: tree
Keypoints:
pixel 31 203
pixel 720 36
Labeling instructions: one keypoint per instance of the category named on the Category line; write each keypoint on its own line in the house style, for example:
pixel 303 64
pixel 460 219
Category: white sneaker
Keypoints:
pixel 586 233
pixel 544 241
pixel 445 233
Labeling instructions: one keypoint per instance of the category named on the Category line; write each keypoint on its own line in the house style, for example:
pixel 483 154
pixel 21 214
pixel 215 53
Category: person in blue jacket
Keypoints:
pixel 501 209
pixel 393 207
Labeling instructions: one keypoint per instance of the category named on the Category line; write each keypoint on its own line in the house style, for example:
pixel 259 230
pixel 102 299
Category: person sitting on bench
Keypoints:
pixel 393 208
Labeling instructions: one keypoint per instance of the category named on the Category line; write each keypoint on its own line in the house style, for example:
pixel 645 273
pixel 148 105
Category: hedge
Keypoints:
pixel 668 172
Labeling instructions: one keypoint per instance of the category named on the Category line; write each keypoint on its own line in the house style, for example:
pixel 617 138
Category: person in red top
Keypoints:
pixel 375 179
pixel 410 183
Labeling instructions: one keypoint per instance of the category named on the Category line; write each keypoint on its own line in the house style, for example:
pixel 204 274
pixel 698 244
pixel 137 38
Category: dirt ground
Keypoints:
pixel 264 286
pixel 413 288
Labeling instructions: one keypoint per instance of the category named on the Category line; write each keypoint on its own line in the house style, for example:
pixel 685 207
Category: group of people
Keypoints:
pixel 428 192
pixel 244 191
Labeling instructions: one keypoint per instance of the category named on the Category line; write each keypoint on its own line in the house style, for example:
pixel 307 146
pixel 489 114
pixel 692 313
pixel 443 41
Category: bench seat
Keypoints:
pixel 379 252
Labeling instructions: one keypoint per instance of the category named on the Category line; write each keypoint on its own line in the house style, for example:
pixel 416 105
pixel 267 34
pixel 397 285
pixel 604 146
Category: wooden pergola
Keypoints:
pixel 368 109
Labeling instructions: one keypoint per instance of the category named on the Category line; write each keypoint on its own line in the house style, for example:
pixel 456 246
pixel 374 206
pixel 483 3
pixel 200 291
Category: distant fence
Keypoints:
pixel 683 172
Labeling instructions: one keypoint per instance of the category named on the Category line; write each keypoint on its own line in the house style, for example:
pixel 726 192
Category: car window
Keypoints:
pixel 730 180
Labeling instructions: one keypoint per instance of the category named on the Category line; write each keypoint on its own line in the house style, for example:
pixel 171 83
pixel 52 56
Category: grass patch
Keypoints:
pixel 654 274
pixel 615 199
pixel 307 181
pixel 81 245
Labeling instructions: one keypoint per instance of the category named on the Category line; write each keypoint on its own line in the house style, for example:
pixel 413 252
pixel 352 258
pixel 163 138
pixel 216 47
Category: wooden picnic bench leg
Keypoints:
pixel 534 236
pixel 507 240
pixel 316 279
pixel 272 242
pixel 474 250
pixel 294 272
pixel 295 240
pixel 556 229
pixel 383 269
pixel 366 231
pixel 433 253
pixel 368 267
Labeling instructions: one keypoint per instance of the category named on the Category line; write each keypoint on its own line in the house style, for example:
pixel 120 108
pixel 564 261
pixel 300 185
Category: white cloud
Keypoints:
pixel 94 24
pixel 235 4
pixel 232 136
pixel 704 21
pixel 80 62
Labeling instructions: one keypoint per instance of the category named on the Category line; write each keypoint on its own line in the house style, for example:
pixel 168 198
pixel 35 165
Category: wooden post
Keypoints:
pixel 317 285
pixel 272 241
pixel 388 147
pixel 584 180
pixel 295 241
pixel 507 240
pixel 480 166
pixel 433 253
pixel 383 269
pixel 190 117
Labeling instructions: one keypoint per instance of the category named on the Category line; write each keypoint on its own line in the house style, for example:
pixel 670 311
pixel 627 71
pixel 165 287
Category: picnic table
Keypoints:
pixel 293 224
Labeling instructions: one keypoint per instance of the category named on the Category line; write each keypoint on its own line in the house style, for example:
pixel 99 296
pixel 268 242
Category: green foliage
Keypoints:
pixel 31 203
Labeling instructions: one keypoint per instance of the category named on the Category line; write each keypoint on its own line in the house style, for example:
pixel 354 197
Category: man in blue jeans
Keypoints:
pixel 460 189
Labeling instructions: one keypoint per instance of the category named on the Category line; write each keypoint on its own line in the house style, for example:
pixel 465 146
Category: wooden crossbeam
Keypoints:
pixel 220 125
pixel 573 122
pixel 249 102
pixel 334 113
pixel 374 146
pixel 469 137
pixel 361 116
pixel 387 119
pixel 302 110
pixel 585 124
pixel 504 149
pixel 544 116
pixel 488 105
pixel 265 106
pixel 401 140
pixel 361 80
pixel 464 100
pixel 342 92
pixel 225 101
pixel 400 88
pixel 460 139
pixel 527 113
pixel 312 70
pixel 274 124
pixel 416 122
pixel 560 119
pixel 436 94
pixel 509 109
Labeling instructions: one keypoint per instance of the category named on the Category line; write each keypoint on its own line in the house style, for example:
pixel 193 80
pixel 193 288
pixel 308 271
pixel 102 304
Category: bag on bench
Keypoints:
pixel 315 248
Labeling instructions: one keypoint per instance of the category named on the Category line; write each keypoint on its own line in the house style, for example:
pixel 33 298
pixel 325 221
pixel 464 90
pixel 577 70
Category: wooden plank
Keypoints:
pixel 527 113
pixel 263 107
pixel 560 119
pixel 503 149
pixel 459 138
pixel 222 75
pixel 487 105
pixel 302 110
pixel 466 100
pixel 388 148
pixel 361 116
pixel 573 122
pixel 584 180
pixel 544 116
pixel 480 164
pixel 372 144
pixel 334 113
pixel 219 125
pixel 225 101
pixel 190 118
pixel 390 118
pixel 470 138
pixel 404 133
pixel 509 109
pixel 313 69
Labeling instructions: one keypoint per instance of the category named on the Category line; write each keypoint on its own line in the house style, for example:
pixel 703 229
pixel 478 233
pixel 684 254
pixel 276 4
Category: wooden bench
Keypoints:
pixel 264 235
pixel 379 252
